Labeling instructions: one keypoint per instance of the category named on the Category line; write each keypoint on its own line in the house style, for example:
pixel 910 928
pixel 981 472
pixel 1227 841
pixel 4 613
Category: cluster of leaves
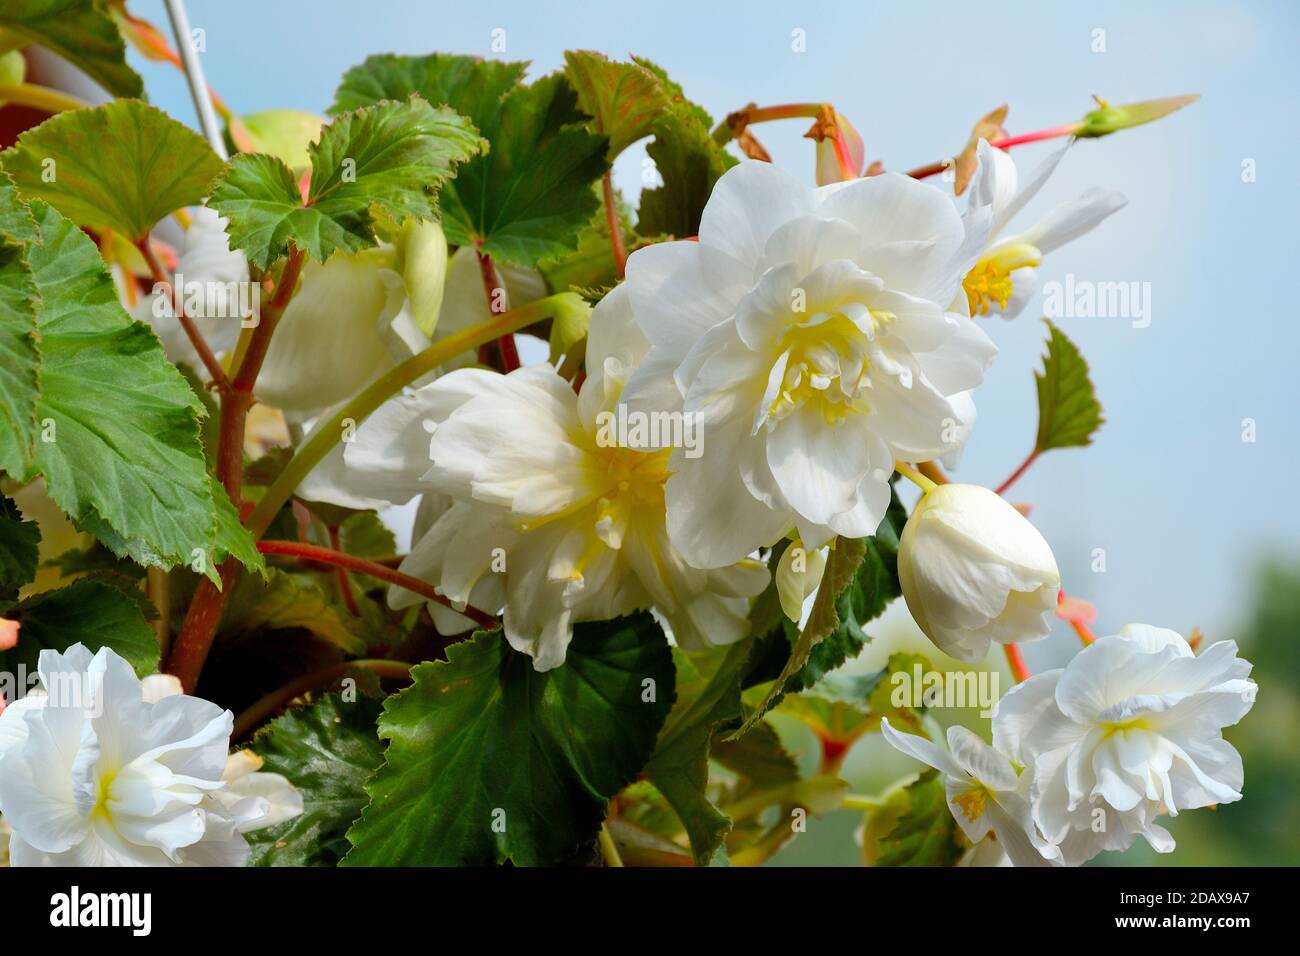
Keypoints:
pixel 480 760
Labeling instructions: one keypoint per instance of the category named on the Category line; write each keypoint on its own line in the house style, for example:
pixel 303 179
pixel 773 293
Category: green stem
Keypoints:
pixel 608 848
pixel 327 435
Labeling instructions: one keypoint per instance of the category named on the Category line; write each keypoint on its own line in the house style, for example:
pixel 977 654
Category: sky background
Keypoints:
pixel 1180 503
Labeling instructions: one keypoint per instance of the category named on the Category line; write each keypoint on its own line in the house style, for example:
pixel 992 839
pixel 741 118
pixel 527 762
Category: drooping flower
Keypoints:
pixel 347 325
pixel 973 570
pixel 1130 729
pixel 985 792
pixel 101 769
pixel 1006 276
pixel 808 331
pixel 550 513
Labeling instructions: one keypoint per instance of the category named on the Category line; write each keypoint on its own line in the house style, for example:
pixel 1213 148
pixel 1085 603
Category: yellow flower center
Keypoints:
pixel 973 801
pixel 827 364
pixel 1113 727
pixel 990 281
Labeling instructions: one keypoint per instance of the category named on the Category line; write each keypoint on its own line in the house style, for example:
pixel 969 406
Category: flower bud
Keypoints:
pixel 830 169
pixel 1110 119
pixel 974 570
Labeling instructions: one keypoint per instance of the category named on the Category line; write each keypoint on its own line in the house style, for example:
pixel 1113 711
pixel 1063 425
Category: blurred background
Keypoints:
pixel 1186 488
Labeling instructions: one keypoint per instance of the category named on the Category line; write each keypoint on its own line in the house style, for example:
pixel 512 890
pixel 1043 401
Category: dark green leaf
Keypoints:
pixel 20 358
pixel 86 612
pixel 80 31
pixel 122 166
pixel 327 751
pixel 1068 411
pixel 19 549
pixel 283 602
pixel 708 693
pixel 689 163
pixel 489 760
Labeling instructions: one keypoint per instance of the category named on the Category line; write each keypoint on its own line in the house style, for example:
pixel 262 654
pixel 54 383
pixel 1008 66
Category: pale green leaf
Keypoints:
pixel 392 156
pixel 122 166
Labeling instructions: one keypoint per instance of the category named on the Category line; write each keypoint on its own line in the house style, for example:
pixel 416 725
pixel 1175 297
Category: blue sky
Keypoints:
pixel 1181 505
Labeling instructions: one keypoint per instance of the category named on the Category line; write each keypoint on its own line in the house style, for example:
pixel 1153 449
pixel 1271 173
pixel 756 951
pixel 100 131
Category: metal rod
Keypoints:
pixel 194 76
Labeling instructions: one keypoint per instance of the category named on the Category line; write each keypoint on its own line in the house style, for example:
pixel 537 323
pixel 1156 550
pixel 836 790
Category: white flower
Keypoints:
pixel 1006 276
pixel 985 793
pixel 808 332
pixel 104 770
pixel 547 515
pixel 347 325
pixel 974 570
pixel 212 276
pixel 1129 730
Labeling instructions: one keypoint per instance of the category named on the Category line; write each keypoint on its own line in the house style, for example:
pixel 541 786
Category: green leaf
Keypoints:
pixel 624 99
pixel 86 612
pixel 120 447
pixel 283 601
pixel 530 195
pixel 1068 411
pixel 392 156
pixel 123 166
pixel 19 549
pixel 925 833
pixel 327 751
pixel 689 163
pixel 489 760
pixel 20 357
pixel 841 568
pixel 80 31
pixel 708 694
pixel 470 85
pixel 875 584
pixel 590 266
pixel 16 219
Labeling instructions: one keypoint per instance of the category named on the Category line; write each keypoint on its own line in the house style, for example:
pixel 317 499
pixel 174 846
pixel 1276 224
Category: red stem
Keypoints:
pixel 495 289
pixel 1017 662
pixel 1055 132
pixel 341 560
pixel 1015 475
pixel 615 229
pixel 215 371
pixel 341 575
pixel 199 629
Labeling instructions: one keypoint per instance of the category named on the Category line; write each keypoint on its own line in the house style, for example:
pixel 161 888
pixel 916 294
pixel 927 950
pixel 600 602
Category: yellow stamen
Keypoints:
pixel 973 801
pixel 990 280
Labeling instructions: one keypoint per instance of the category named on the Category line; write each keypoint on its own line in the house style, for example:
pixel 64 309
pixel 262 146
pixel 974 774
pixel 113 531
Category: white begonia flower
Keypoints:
pixel 102 769
pixel 1006 276
pixel 215 292
pixel 973 570
pixel 1130 729
pixel 985 792
pixel 348 324
pixel 550 516
pixel 808 333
